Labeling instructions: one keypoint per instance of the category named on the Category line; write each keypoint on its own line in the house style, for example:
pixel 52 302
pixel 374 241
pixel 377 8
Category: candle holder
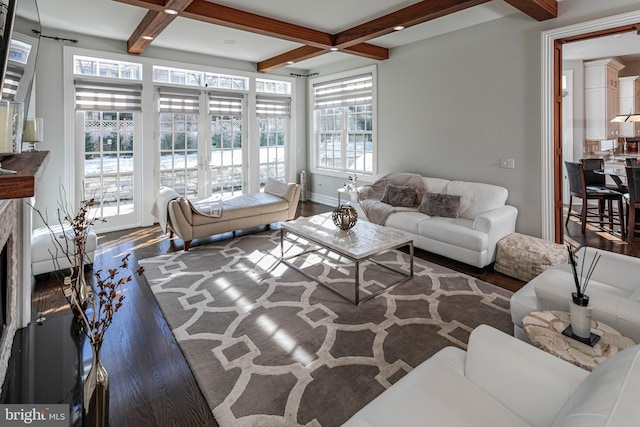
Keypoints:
pixel 345 217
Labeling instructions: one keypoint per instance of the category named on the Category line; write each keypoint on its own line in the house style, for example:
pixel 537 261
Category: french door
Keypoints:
pixel 109 143
pixel 202 150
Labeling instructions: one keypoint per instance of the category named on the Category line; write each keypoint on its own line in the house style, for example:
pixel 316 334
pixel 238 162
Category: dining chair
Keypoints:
pixel 633 201
pixel 600 179
pixel 592 178
pixel 631 161
pixel 579 188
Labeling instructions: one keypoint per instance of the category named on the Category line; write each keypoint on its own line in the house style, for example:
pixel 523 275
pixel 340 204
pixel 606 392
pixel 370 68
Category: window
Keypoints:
pixel 180 76
pixel 203 131
pixel 227 158
pixel 107 114
pixel 344 122
pixel 273 86
pixel 179 140
pixel 100 67
pixel 19 55
pixel 273 122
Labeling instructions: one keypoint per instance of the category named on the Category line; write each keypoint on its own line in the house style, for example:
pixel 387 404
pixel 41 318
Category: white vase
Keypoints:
pixel 580 316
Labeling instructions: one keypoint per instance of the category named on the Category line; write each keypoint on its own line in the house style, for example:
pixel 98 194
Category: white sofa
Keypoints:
pixel 613 290
pixel 502 381
pixel 471 238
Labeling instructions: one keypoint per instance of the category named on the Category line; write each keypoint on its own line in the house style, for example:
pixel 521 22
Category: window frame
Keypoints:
pixel 313 139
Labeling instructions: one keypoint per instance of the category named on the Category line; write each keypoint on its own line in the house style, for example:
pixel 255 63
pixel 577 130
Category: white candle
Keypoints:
pixel 6 130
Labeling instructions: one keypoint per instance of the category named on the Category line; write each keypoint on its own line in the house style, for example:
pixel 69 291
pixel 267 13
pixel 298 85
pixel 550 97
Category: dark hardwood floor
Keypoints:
pixel 151 383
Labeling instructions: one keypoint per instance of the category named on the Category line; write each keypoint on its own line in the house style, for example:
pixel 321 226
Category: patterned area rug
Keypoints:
pixel 268 347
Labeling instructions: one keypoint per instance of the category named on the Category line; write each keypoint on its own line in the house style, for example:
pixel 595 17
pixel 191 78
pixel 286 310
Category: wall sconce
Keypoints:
pixel 33 133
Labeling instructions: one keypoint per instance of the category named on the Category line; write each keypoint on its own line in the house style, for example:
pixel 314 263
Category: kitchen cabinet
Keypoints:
pixel 601 98
pixel 629 96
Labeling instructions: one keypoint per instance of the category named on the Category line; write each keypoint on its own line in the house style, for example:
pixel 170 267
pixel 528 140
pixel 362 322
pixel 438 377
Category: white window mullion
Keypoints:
pixel 204 147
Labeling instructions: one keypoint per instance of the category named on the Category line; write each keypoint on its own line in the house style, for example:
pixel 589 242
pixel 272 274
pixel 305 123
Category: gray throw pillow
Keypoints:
pixel 437 204
pixel 398 195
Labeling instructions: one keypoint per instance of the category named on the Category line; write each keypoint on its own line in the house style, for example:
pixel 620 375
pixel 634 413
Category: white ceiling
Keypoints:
pixel 113 20
pixel 623 46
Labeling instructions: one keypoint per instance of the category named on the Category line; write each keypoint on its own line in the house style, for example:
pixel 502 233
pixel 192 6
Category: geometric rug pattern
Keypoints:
pixel 269 347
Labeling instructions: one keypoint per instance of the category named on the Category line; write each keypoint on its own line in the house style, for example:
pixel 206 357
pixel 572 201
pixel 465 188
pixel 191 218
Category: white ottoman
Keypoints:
pixel 42 248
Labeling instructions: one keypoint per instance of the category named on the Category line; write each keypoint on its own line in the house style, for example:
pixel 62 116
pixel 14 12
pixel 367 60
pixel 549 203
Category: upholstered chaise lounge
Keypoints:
pixel 278 202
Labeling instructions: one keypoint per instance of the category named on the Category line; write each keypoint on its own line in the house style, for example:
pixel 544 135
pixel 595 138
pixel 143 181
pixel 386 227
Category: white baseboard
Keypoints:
pixel 325 200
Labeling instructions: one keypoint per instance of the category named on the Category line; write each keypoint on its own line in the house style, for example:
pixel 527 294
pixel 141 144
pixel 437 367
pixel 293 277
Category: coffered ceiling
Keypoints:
pixel 279 33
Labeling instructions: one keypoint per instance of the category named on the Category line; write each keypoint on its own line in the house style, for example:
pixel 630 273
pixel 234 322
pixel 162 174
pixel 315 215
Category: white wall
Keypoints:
pixel 577 92
pixel 451 106
pixel 49 91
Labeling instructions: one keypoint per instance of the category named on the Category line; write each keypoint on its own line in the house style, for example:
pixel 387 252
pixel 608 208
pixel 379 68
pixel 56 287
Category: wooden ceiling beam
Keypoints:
pixel 212 13
pixel 540 10
pixel 307 52
pixel 157 5
pixel 418 13
pixel 368 51
pixel 287 58
pixel 153 23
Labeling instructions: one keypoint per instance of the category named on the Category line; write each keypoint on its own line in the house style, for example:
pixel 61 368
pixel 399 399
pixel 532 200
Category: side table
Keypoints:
pixel 342 191
pixel 544 329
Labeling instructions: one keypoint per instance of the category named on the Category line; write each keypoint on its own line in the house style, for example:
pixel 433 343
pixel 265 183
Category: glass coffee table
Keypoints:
pixel 358 244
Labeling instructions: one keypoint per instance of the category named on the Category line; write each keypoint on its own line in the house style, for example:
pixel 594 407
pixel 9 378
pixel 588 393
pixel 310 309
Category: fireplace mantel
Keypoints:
pixel 29 168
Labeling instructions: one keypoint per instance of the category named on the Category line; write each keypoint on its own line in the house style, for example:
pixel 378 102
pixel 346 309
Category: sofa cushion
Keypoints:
pixel 399 195
pixel 436 393
pixel 436 185
pixel 406 220
pixel 482 197
pixel 608 396
pixel 439 204
pixel 454 231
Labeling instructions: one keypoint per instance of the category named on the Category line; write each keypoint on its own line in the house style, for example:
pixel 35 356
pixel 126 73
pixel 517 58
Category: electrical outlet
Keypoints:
pixel 507 163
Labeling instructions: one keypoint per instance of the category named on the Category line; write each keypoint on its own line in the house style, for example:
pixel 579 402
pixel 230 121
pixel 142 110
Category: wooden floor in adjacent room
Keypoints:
pixel 151 383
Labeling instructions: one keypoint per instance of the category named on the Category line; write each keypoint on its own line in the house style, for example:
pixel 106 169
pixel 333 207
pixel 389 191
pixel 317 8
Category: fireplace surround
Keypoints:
pixel 9 235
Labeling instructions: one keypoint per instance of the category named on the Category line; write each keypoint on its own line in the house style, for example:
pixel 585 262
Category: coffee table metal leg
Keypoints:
pixel 411 259
pixel 357 282
pixel 281 243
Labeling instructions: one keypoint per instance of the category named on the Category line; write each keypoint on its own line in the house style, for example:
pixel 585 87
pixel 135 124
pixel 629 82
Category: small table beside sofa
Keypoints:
pixel 613 290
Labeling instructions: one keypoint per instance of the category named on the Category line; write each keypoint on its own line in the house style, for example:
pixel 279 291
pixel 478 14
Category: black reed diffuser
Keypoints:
pixel 582 281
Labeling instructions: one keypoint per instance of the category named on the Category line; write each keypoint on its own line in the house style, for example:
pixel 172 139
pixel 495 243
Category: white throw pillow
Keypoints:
pixel 608 396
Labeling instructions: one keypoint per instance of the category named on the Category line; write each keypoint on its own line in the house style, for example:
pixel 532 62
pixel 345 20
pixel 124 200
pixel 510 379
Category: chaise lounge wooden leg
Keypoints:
pixel 187 244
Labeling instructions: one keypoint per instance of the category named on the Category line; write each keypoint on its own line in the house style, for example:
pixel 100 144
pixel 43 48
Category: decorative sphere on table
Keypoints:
pixel 344 217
